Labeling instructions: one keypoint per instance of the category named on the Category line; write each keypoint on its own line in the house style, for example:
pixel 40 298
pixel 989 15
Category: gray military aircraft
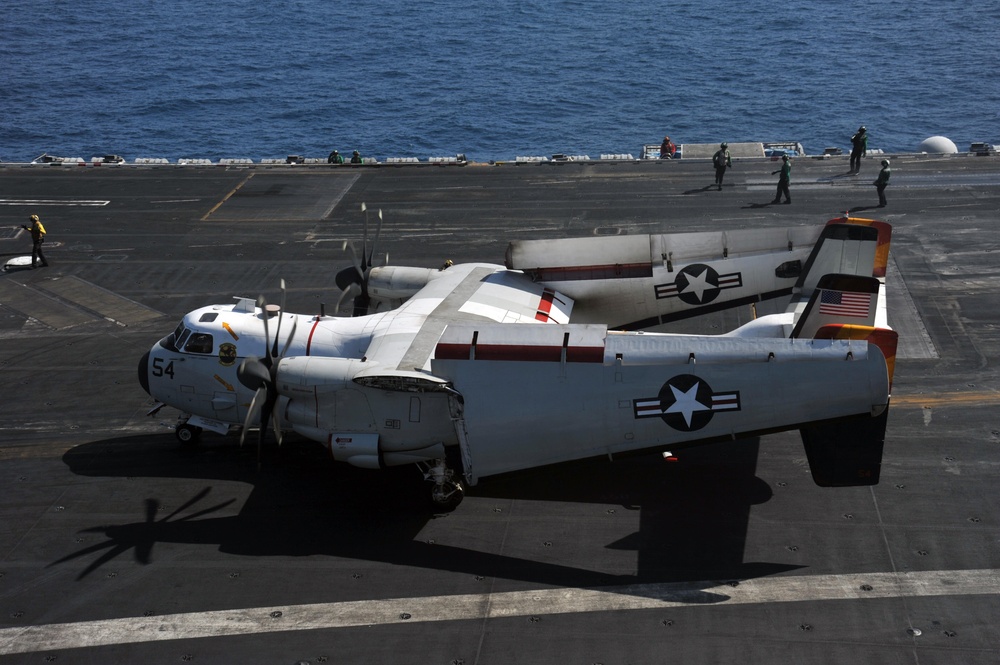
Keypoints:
pixel 477 369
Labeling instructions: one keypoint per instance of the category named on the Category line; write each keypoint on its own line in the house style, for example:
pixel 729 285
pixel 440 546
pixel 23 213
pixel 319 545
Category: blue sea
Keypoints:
pixel 491 79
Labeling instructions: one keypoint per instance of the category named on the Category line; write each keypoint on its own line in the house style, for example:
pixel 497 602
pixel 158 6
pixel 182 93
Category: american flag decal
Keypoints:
pixel 839 303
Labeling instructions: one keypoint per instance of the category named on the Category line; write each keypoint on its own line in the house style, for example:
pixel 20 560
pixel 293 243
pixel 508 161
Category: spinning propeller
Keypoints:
pixel 353 281
pixel 260 376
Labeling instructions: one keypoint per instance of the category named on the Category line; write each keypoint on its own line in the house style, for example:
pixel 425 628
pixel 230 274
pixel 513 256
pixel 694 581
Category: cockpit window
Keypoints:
pixel 199 343
pixel 174 340
pixel 208 317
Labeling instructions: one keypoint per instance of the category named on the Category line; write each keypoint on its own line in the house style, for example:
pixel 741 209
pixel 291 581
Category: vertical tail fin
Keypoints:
pixel 848 453
pixel 845 249
pixel 839 299
pixel 884 230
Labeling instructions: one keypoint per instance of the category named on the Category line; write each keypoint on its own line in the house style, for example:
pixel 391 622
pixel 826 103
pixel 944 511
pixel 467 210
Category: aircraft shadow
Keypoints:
pixel 693 514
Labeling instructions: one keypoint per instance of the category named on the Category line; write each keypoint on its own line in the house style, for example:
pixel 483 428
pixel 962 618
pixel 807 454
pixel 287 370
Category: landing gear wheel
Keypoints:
pixel 188 435
pixel 446 491
pixel 445 497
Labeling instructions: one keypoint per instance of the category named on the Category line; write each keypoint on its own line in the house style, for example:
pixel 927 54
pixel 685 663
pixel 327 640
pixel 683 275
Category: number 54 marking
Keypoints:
pixel 159 369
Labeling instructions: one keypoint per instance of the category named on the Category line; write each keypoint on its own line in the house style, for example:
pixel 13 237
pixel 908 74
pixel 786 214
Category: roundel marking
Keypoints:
pixel 686 401
pixel 697 284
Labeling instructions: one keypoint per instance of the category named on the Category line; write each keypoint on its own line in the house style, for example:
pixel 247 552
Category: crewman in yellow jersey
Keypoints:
pixel 37 238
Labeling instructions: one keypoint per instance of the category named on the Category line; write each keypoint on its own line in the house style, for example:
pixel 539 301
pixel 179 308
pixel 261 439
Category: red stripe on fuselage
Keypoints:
pixel 312 331
pixel 595 272
pixel 519 352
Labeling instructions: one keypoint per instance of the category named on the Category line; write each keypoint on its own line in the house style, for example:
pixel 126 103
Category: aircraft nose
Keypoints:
pixel 144 372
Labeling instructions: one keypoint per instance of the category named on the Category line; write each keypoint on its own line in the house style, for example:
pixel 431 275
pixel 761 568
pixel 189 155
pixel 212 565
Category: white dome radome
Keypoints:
pixel 941 145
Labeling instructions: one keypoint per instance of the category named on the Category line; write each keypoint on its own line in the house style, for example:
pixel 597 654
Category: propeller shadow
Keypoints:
pixel 693 518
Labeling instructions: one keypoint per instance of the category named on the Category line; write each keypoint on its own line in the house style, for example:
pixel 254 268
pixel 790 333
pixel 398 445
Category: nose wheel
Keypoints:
pixel 187 434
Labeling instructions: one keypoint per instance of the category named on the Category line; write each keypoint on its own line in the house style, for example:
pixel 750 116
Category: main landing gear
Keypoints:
pixel 446 490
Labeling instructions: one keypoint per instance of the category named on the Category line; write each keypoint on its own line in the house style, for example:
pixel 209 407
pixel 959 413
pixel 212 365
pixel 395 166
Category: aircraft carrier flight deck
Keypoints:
pixel 118 544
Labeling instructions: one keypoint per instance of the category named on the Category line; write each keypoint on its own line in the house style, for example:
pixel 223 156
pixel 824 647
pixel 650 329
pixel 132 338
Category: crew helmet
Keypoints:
pixel 33 218
pixel 725 145
pixel 885 162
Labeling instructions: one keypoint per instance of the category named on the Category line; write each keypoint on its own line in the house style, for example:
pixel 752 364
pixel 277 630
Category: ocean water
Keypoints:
pixel 491 79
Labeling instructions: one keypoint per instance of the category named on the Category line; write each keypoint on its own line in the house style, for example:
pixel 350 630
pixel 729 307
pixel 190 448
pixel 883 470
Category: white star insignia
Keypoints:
pixel 698 284
pixel 686 403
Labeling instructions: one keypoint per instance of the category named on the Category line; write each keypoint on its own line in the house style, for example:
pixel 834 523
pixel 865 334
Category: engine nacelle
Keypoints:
pixel 306 375
pixel 323 396
pixel 367 416
pixel 398 282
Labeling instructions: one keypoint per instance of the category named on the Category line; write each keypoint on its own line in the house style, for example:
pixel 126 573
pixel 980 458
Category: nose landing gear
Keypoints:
pixel 187 434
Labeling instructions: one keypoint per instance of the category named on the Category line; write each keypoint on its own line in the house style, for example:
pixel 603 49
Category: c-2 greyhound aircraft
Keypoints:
pixel 482 369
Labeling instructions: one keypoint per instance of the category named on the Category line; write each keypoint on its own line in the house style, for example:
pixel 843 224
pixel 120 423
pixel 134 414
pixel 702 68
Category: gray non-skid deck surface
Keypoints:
pixel 117 546
pixel 284 197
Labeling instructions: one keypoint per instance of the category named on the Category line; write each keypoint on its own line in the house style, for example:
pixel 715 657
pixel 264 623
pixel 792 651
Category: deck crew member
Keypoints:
pixel 37 238
pixel 783 180
pixel 859 147
pixel 882 182
pixel 667 148
pixel 335 158
pixel 721 160
pixel 356 158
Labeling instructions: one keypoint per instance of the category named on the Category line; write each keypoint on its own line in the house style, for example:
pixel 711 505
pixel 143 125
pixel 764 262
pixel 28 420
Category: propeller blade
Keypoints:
pixel 253 412
pixel 364 242
pixel 288 342
pixel 378 232
pixel 253 373
pixel 278 434
pixel 265 416
pixel 353 275
pixel 281 315
pixel 346 278
pixel 361 304
pixel 262 303
pixel 352 291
